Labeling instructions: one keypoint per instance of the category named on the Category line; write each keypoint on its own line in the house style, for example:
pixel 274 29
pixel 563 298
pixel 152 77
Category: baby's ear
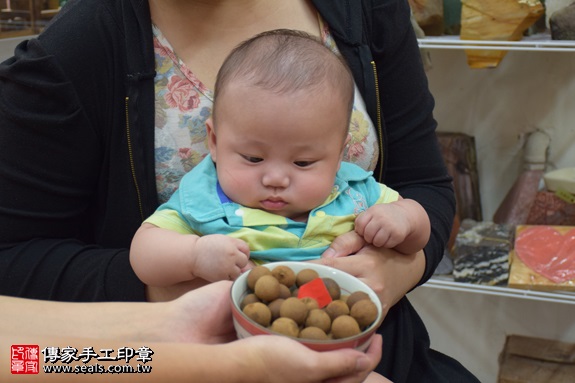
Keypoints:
pixel 212 140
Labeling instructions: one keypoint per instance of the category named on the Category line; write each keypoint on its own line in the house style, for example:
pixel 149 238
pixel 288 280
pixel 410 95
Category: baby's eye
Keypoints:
pixel 254 160
pixel 303 164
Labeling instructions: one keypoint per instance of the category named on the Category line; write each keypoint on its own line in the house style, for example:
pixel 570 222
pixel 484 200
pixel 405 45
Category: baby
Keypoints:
pixel 274 186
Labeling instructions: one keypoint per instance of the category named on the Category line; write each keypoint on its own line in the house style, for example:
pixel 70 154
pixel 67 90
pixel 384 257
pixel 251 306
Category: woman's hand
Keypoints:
pixel 389 273
pixel 189 337
pixel 204 316
pixel 200 316
pixel 275 359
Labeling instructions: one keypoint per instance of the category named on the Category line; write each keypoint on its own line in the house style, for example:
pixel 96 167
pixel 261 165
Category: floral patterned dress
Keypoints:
pixel 184 103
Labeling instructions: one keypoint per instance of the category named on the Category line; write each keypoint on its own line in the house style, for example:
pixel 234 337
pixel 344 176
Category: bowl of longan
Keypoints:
pixel 322 307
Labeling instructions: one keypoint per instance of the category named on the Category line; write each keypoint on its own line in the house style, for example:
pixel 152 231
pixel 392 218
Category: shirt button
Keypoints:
pixel 239 212
pixel 320 213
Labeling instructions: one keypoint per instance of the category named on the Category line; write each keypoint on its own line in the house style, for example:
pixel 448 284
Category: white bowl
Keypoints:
pixel 348 284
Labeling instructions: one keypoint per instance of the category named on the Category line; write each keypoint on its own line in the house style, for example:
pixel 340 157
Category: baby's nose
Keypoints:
pixel 276 179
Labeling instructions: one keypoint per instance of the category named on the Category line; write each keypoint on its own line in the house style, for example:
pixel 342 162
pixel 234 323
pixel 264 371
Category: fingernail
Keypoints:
pixel 362 363
pixel 329 253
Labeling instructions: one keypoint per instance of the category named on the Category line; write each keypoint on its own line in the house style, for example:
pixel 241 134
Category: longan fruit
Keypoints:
pixel 318 318
pixel 259 313
pixel 333 288
pixel 344 326
pixel 313 333
pixel 255 274
pixel 284 275
pixel 285 292
pixel 295 309
pixel 285 326
pixel 305 276
pixel 364 312
pixel 336 308
pixel 275 307
pixel 310 303
pixel 250 298
pixel 356 296
pixel 267 288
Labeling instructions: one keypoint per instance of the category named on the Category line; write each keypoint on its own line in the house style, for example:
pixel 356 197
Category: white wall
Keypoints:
pixel 528 90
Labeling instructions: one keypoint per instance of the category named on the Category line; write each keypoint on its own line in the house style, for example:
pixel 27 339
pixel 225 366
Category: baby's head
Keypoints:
pixel 280 122
pixel 284 62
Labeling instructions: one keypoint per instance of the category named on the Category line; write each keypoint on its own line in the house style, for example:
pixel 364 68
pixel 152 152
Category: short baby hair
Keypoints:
pixel 284 61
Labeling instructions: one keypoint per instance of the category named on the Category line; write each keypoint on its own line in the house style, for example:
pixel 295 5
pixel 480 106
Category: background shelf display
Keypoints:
pixel 532 89
pixel 543 43
pixel 539 42
pixel 447 283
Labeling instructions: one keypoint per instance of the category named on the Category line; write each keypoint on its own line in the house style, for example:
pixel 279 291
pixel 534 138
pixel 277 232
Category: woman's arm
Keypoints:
pixel 185 335
pixel 261 359
pixel 67 270
pixel 182 320
pixel 68 203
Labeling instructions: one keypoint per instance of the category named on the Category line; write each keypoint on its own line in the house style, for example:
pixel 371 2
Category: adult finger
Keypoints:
pixel 364 366
pixel 341 367
pixel 344 245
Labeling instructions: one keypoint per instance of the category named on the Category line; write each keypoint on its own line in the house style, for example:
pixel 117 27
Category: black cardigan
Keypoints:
pixel 77 148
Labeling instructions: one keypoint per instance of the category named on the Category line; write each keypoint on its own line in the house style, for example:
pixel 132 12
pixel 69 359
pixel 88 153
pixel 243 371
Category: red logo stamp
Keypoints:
pixel 24 359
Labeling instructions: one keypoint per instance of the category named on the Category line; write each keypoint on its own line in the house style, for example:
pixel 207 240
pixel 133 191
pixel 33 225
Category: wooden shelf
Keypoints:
pixel 539 42
pixel 447 283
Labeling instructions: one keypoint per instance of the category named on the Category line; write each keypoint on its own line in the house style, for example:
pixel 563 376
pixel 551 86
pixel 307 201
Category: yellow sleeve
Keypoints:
pixel 171 220
pixel 387 195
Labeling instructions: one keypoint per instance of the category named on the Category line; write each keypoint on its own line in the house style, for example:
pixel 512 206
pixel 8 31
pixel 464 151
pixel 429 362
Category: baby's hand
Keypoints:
pixel 219 257
pixel 383 225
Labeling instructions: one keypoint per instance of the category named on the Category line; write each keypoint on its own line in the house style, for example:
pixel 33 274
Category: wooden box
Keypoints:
pixel 536 360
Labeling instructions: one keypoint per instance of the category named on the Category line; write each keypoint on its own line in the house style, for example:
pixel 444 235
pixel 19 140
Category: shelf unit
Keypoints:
pixel 447 283
pixel 539 42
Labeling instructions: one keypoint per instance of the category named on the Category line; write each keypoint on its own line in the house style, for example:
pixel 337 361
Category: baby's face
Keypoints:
pixel 279 153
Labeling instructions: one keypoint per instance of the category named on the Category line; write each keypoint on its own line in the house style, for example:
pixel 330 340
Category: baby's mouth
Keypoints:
pixel 273 203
